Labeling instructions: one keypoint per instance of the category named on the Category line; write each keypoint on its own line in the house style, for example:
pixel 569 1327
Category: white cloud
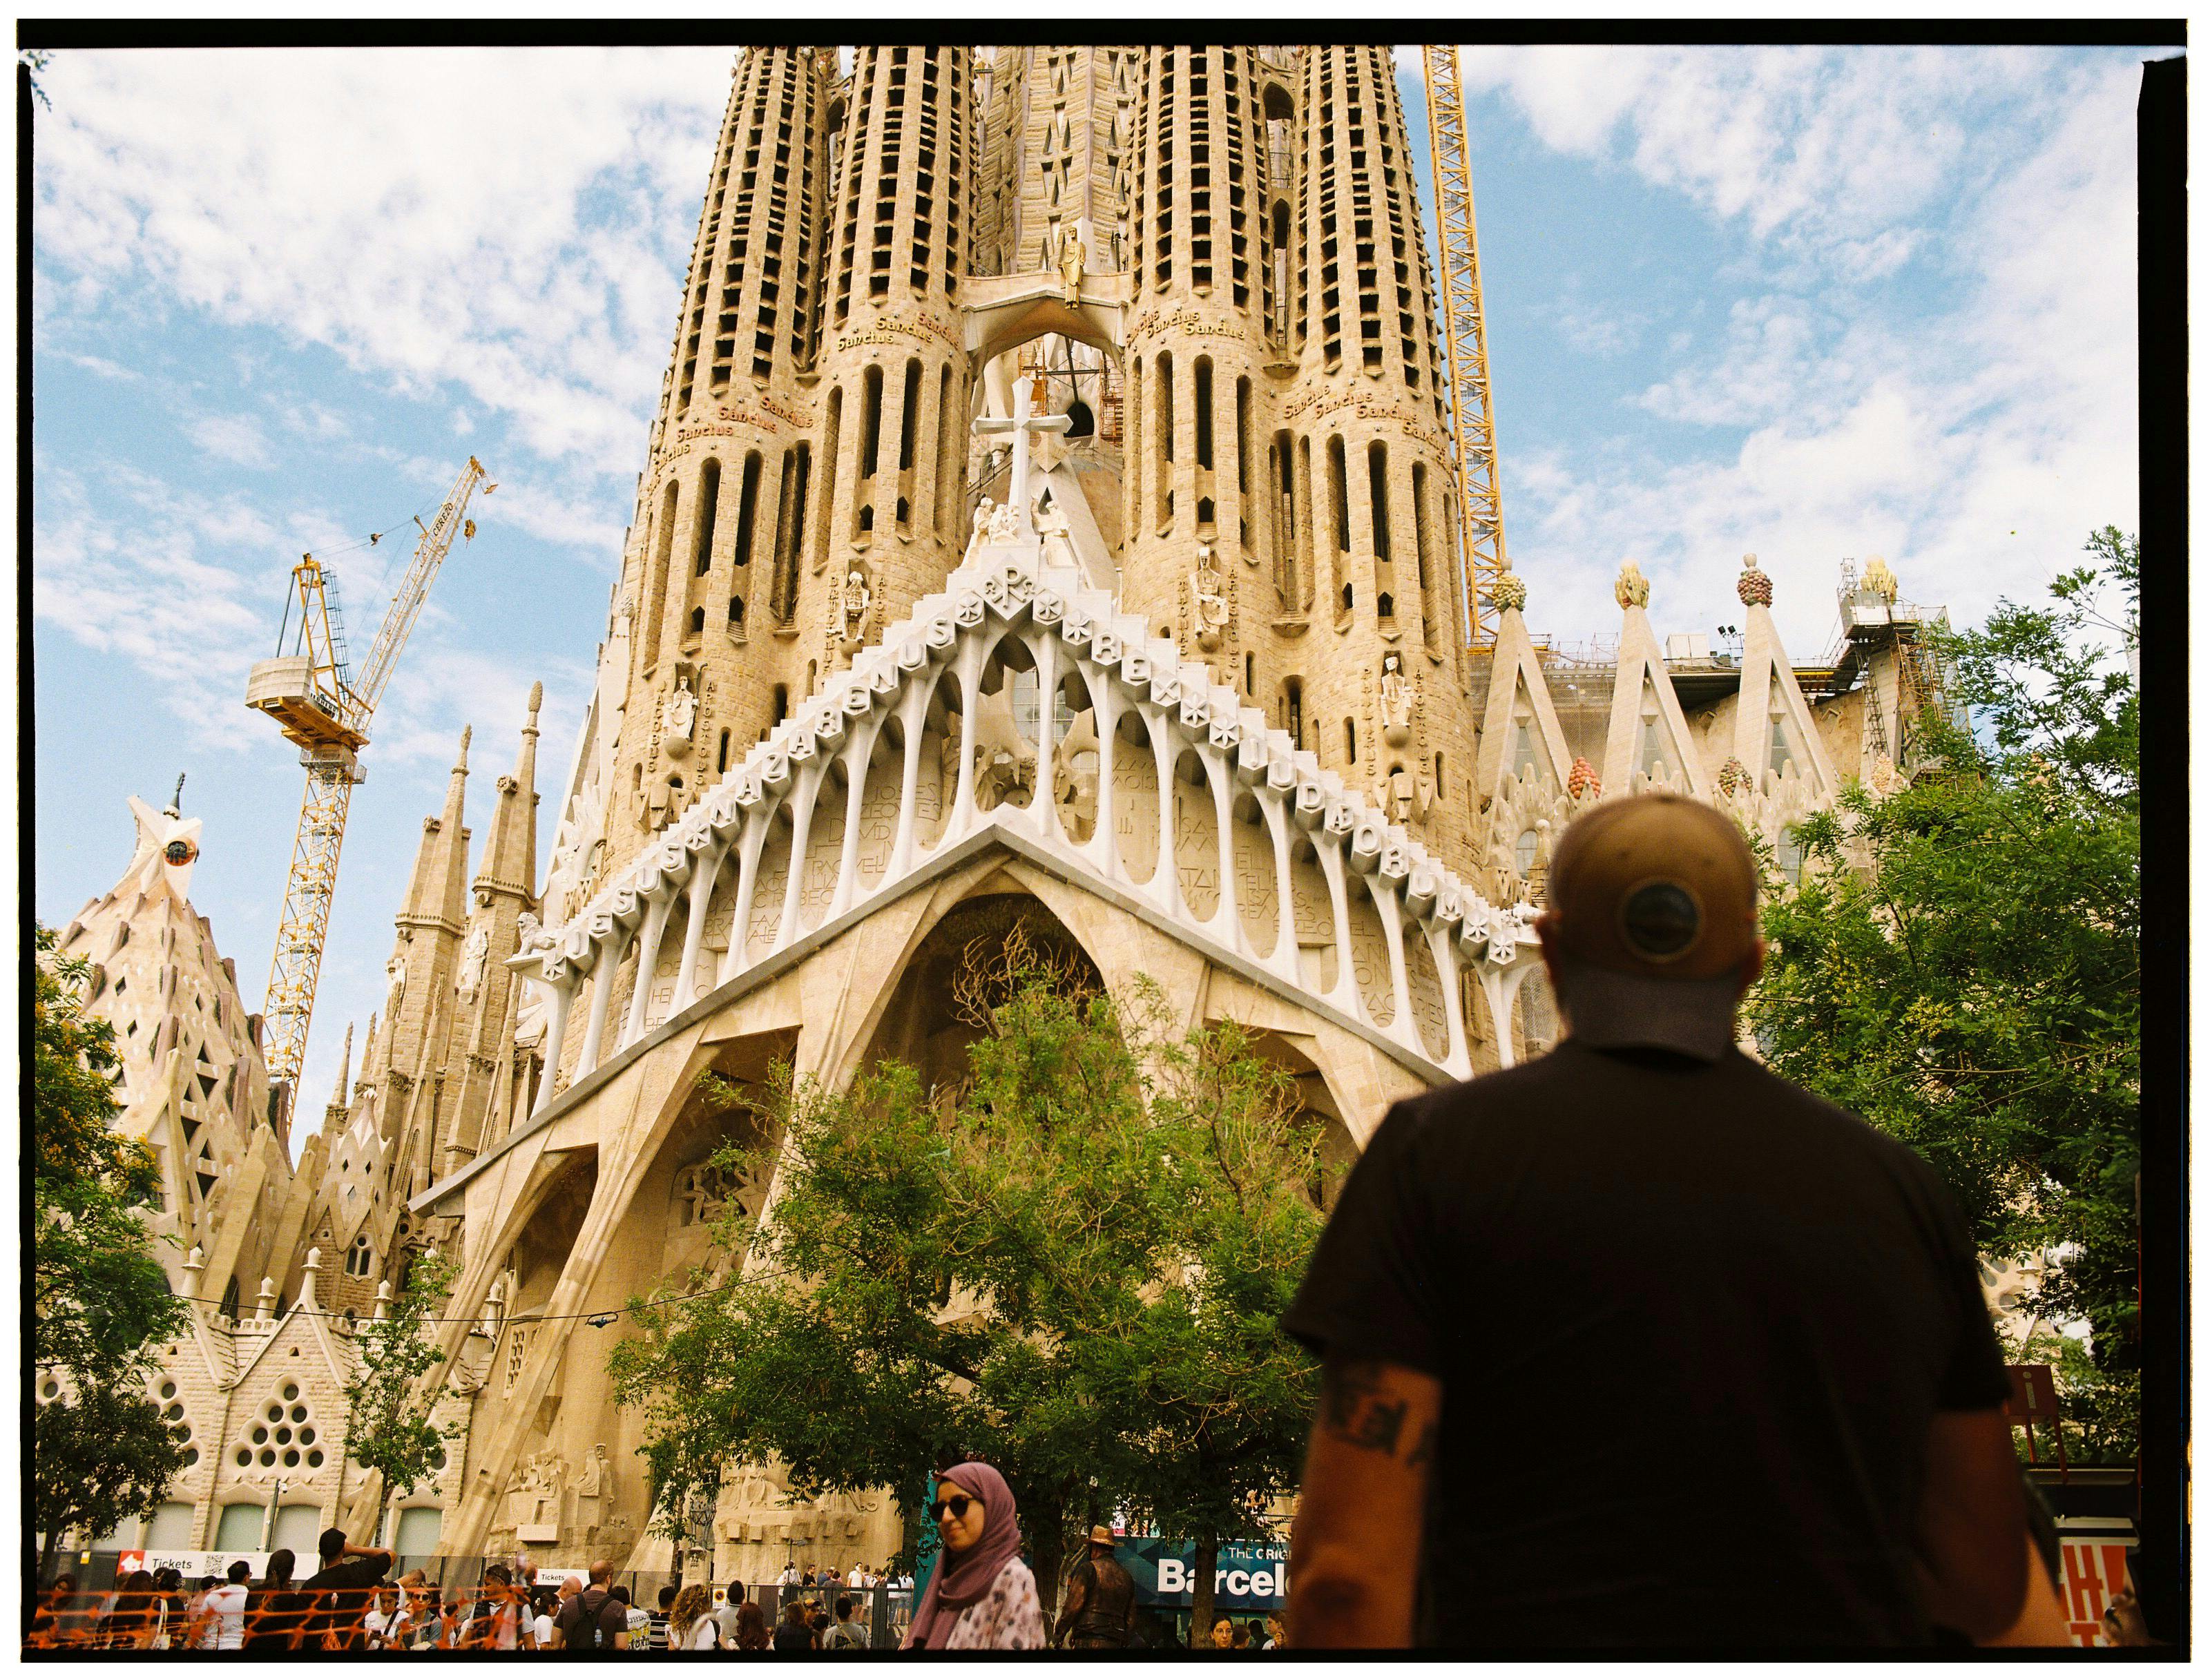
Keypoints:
pixel 511 223
pixel 123 573
pixel 237 439
pixel 1927 420
pixel 1826 146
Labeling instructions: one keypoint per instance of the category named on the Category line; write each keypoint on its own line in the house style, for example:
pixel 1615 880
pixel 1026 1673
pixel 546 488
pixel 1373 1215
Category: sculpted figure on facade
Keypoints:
pixel 1071 255
pixel 1004 759
pixel 1632 589
pixel 473 956
pixel 666 801
pixel 858 600
pixel 1074 774
pixel 947 755
pixel 680 713
pixel 1397 699
pixel 1879 580
pixel 1052 526
pixel 984 510
pixel 1004 523
pixel 1407 797
pixel 1208 600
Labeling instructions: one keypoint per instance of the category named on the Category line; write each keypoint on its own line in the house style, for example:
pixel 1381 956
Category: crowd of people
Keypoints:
pixel 352 1604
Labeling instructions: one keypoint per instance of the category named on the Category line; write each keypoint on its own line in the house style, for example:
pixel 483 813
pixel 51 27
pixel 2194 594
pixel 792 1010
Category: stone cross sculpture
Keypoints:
pixel 1024 422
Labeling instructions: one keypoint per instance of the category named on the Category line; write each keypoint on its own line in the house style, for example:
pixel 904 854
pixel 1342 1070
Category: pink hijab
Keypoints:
pixel 963 1577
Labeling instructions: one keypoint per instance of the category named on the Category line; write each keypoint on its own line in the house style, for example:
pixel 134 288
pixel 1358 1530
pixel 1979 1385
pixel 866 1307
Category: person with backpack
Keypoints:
pixel 594 1620
pixel 843 1634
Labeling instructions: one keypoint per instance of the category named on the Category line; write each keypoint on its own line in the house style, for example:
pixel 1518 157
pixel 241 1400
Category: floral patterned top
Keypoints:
pixel 1008 1618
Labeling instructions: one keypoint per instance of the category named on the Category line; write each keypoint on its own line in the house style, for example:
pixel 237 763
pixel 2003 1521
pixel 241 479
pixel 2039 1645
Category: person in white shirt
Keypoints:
pixel 789 1577
pixel 226 1608
pixel 540 1624
pixel 725 1613
pixel 691 1623
pixel 858 1577
pixel 386 1623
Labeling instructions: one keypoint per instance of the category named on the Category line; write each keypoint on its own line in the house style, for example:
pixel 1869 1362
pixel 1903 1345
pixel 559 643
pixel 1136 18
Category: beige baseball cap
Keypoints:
pixel 1653 910
pixel 1657 885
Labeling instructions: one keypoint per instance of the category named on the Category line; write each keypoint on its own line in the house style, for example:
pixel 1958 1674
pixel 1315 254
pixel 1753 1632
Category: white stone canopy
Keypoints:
pixel 1388 937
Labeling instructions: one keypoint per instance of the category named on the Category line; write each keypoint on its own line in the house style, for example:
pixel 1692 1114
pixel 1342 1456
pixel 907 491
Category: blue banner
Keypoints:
pixel 1250 1576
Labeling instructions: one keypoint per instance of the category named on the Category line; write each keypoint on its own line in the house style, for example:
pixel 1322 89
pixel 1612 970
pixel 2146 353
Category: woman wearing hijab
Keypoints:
pixel 981 1597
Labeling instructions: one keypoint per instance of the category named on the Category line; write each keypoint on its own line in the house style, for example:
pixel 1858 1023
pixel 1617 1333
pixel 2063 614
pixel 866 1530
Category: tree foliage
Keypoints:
pixel 1961 964
pixel 100 1299
pixel 1071 1267
pixel 389 1431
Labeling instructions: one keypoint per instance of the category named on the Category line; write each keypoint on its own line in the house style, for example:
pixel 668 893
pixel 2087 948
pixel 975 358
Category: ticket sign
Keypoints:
pixel 1247 1577
pixel 2095 1573
pixel 190 1564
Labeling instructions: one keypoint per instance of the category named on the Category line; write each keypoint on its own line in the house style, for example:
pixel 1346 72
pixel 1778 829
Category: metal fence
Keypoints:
pixel 882 1612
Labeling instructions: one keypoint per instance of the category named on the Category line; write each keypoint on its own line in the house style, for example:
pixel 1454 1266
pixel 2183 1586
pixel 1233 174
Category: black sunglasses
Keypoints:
pixel 956 1505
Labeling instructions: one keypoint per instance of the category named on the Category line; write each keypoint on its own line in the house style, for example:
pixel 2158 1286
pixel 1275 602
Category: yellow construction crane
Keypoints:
pixel 325 710
pixel 1465 342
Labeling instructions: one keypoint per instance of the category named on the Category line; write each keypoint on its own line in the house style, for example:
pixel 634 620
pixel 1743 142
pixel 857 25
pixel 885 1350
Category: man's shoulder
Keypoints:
pixel 351 1572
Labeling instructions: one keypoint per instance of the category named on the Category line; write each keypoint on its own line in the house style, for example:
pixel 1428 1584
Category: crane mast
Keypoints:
pixel 324 709
pixel 1465 339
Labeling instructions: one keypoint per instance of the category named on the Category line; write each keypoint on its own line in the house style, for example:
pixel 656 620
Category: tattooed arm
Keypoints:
pixel 1354 1551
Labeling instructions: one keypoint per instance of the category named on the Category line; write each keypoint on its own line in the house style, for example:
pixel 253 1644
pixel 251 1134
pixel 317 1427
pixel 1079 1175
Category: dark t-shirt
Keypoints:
pixel 792 1637
pixel 274 1615
pixel 612 1614
pixel 1692 1325
pixel 341 1593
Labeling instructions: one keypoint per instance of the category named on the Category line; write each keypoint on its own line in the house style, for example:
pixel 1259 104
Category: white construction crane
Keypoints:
pixel 325 711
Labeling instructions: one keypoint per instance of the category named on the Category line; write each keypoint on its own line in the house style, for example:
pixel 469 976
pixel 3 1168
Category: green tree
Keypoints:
pixel 100 1299
pixel 35 62
pixel 1962 963
pixel 1070 1268
pixel 389 1430
pixel 1222 1399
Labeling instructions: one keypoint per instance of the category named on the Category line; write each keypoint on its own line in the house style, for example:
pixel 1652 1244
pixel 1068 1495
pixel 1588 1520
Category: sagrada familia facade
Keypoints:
pixel 1048 513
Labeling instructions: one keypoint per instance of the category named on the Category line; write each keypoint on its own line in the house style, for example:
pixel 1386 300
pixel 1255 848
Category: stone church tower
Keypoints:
pixel 1048 513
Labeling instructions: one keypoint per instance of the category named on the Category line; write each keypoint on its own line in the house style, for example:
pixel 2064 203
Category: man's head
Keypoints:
pixel 332 1545
pixel 498 1574
pixel 666 1596
pixel 281 1562
pixel 1651 932
pixel 569 1587
pixel 1101 1539
pixel 619 1595
pixel 601 1573
pixel 843 1607
pixel 736 1593
pixel 240 1571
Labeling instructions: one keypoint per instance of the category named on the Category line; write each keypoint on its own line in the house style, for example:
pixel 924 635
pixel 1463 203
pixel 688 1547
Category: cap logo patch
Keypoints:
pixel 1660 921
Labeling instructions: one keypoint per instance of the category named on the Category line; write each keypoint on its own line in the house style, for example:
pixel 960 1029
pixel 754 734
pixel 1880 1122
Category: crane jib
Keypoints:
pixel 325 711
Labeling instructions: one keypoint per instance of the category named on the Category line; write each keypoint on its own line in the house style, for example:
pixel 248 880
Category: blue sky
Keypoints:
pixel 1810 303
